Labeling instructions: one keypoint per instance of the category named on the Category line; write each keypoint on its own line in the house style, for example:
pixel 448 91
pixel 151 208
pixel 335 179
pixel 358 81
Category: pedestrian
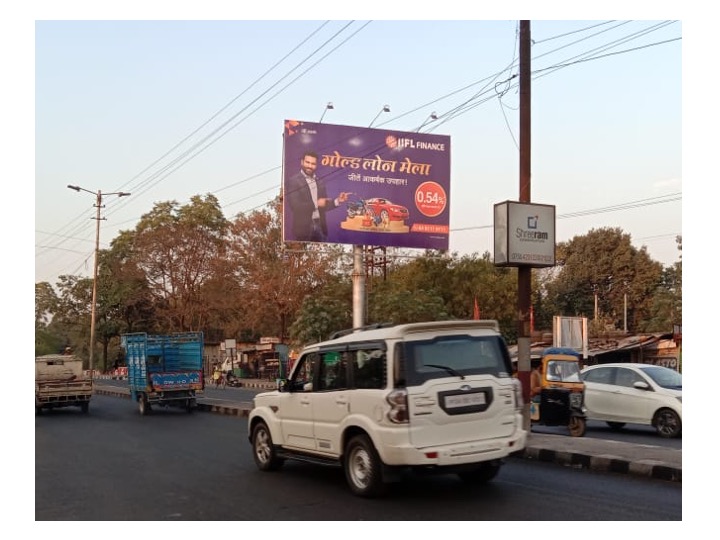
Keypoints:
pixel 535 389
pixel 536 380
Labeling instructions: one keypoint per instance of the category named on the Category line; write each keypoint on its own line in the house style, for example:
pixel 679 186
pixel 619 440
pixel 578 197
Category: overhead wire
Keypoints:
pixel 456 111
pixel 462 107
pixel 196 149
pixel 155 175
pixel 591 212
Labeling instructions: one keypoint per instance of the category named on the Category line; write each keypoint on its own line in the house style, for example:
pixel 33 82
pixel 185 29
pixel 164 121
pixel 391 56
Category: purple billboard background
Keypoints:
pixel 397 185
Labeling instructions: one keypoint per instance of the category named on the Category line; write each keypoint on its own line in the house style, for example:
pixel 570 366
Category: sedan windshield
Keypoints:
pixel 664 377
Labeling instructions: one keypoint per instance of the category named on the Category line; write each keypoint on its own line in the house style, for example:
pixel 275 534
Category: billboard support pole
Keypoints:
pixel 358 277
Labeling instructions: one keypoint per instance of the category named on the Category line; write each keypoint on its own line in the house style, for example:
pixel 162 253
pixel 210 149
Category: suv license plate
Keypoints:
pixel 465 400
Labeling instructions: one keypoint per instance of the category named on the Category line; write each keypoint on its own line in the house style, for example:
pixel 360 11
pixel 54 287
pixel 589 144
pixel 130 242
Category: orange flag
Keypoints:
pixel 476 311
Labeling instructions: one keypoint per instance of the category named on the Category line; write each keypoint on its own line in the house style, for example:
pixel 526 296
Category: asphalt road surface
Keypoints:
pixel 631 433
pixel 114 464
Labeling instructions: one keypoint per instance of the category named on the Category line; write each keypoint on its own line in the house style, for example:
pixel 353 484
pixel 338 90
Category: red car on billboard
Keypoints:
pixel 386 209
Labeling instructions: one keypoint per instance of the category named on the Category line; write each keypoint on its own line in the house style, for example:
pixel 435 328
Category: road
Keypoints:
pixel 114 464
pixel 635 434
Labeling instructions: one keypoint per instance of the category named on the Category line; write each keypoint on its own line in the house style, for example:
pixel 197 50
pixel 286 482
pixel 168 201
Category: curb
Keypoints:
pixel 604 463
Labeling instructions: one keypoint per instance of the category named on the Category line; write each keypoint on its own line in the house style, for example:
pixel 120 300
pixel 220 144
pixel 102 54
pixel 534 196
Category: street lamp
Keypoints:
pixel 433 116
pixel 98 205
pixel 386 108
pixel 328 107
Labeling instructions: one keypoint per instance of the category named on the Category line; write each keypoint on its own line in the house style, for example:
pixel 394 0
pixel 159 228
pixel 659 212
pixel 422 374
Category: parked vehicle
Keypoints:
pixel 60 382
pixel 561 397
pixel 632 393
pixel 164 370
pixel 433 397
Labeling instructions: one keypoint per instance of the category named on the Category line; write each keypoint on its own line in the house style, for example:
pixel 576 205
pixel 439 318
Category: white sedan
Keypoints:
pixel 628 393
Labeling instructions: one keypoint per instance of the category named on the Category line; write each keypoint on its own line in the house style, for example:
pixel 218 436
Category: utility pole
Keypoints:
pixel 524 272
pixel 98 205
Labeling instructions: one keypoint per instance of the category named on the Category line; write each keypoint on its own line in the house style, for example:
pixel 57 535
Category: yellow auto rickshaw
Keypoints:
pixel 560 401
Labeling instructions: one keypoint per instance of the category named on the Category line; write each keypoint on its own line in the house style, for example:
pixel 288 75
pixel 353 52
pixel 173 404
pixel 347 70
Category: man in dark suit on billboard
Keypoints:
pixel 307 197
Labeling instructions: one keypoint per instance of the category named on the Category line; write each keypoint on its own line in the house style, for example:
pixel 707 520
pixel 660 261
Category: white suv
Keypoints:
pixel 433 396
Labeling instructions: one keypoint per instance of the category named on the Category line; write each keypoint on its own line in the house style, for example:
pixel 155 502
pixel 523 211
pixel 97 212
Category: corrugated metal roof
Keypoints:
pixel 600 346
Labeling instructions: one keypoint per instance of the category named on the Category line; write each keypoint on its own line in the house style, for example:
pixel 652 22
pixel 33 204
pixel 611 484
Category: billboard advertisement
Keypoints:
pixel 365 186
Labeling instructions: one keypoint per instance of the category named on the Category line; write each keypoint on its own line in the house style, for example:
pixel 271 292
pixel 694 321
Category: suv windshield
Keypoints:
pixel 454 356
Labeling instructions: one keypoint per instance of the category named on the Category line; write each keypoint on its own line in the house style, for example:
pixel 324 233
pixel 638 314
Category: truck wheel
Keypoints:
pixel 264 453
pixel 363 467
pixel 144 406
pixel 85 407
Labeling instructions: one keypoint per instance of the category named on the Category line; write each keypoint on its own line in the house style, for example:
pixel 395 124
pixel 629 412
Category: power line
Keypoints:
pixel 75 220
pixel 614 208
pixel 457 111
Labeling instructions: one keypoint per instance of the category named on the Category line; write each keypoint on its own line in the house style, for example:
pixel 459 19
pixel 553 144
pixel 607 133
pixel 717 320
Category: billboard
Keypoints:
pixel 365 186
pixel 524 234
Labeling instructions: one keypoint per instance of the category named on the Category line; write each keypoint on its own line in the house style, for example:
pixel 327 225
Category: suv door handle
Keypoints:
pixel 305 401
pixel 341 401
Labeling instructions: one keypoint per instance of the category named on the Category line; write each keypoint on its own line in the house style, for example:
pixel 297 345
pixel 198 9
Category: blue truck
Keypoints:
pixel 164 370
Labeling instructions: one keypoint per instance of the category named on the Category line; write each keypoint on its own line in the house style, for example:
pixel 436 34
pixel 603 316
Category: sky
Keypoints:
pixel 171 100
pixel 166 110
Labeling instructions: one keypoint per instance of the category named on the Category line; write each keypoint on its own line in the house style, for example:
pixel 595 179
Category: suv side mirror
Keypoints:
pixel 283 385
pixel 641 385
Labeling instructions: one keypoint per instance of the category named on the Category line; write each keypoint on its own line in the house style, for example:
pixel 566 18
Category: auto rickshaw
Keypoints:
pixel 562 391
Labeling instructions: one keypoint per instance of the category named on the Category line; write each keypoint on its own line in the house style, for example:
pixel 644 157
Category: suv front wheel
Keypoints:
pixel 363 467
pixel 264 453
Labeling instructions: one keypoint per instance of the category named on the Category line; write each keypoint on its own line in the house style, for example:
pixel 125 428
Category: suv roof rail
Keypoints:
pixel 347 331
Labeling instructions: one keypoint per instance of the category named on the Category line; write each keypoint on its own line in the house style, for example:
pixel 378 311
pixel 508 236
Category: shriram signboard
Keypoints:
pixel 524 234
pixel 365 186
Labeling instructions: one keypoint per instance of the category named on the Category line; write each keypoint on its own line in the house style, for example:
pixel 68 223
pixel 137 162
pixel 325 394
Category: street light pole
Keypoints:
pixel 328 107
pixel 386 108
pixel 433 116
pixel 98 205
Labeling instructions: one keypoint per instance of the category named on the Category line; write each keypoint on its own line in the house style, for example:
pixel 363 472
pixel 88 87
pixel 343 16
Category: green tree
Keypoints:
pixel 457 281
pixel 666 306
pixel 124 301
pixel 72 314
pixel 176 248
pixel 272 279
pixel 47 341
pixel 398 306
pixel 604 266
pixel 323 313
